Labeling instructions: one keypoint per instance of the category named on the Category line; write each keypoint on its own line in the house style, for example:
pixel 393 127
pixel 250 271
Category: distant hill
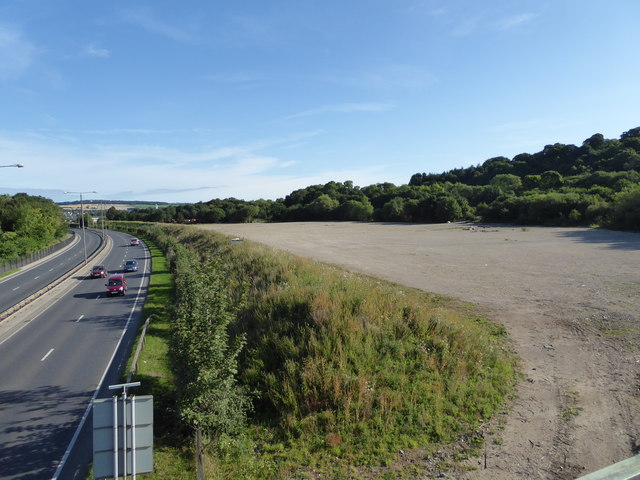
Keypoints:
pixel 128 203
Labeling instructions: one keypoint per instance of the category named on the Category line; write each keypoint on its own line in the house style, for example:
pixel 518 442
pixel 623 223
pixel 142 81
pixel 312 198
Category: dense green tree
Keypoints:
pixel 322 207
pixel 550 180
pixel 626 209
pixel 112 213
pixel 561 184
pixel 355 210
pixel 394 210
pixel 28 223
pixel 507 183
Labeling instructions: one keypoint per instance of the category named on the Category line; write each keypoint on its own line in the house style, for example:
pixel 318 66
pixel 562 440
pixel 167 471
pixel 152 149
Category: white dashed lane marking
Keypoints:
pixel 48 353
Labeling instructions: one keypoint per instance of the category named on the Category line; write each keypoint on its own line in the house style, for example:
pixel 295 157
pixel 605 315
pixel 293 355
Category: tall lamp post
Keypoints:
pixel 18 165
pixel 84 233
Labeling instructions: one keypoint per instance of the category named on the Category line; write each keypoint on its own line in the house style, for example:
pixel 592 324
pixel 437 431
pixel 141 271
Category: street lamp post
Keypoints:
pixel 18 165
pixel 84 233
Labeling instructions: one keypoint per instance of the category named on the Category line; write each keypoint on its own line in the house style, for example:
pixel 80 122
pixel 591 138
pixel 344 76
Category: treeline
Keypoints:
pixel 27 224
pixel 597 183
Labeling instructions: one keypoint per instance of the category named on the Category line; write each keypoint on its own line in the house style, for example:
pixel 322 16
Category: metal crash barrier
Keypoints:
pixel 628 469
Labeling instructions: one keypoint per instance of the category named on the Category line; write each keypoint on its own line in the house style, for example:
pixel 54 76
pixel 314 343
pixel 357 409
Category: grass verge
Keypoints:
pixel 173 454
pixel 9 272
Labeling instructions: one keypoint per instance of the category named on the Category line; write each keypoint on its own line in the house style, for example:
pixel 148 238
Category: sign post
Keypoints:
pixel 122 442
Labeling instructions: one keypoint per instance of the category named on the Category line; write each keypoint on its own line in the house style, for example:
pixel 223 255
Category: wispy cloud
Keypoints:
pixel 239 80
pixel 231 77
pixel 467 27
pixel 260 31
pixel 515 21
pixel 387 77
pixel 343 108
pixel 146 19
pixel 161 191
pixel 251 170
pixel 485 22
pixel 17 54
pixel 93 51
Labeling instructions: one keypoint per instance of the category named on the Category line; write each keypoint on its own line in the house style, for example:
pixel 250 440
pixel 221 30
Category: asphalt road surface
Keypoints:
pixel 55 359
pixel 17 287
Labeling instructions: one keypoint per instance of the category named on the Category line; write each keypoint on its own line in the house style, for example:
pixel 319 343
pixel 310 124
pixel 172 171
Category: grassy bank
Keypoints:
pixel 173 452
pixel 345 371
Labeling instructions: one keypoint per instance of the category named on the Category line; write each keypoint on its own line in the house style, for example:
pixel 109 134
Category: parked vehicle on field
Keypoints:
pixel 99 271
pixel 116 285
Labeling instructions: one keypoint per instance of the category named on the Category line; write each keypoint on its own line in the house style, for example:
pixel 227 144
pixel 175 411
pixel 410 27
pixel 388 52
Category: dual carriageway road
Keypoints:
pixel 59 353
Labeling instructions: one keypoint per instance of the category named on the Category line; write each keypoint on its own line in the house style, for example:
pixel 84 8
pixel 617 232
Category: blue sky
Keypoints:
pixel 193 100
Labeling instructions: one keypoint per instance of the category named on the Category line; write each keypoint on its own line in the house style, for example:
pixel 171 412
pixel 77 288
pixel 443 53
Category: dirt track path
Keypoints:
pixel 570 299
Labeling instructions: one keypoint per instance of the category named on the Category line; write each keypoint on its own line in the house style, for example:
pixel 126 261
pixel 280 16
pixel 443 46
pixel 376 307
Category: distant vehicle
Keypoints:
pixel 130 266
pixel 99 271
pixel 135 241
pixel 117 285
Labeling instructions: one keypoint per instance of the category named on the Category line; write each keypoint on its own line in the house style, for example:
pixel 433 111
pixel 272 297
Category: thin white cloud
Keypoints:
pixel 485 22
pixel 92 51
pixel 17 54
pixel 230 77
pixel 343 108
pixel 515 21
pixel 467 27
pixel 160 191
pixel 155 172
pixel 243 80
pixel 387 77
pixel 146 19
pixel 261 31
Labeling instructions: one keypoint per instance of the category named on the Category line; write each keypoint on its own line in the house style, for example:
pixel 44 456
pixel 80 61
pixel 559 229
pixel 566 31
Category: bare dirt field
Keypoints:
pixel 570 299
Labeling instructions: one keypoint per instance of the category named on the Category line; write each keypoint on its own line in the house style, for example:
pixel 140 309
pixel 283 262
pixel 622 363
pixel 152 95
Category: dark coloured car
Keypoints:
pixel 117 285
pixel 130 266
pixel 99 271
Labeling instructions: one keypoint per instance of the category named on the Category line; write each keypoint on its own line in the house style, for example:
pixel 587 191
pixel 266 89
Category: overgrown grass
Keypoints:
pixel 173 452
pixel 347 370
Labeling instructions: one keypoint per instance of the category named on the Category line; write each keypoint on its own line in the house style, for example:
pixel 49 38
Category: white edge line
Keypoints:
pixel 65 457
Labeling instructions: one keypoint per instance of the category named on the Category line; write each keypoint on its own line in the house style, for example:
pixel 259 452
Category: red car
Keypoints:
pixel 117 285
pixel 135 241
pixel 99 271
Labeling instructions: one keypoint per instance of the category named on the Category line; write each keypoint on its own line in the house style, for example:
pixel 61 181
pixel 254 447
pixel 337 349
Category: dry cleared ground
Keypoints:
pixel 570 298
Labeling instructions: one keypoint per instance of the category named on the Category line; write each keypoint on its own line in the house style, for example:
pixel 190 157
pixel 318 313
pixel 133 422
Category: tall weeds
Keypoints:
pixel 346 366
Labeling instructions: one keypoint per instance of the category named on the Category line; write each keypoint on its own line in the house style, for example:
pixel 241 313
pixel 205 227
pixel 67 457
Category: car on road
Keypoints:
pixel 116 285
pixel 99 271
pixel 135 241
pixel 131 266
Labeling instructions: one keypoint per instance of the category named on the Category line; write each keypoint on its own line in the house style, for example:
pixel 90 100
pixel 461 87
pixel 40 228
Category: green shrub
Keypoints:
pixel 344 369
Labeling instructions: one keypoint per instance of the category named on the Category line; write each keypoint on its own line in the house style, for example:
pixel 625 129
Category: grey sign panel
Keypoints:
pixel 105 431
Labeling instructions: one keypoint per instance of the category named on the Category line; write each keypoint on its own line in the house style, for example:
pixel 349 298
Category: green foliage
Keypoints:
pixel 500 189
pixel 507 183
pixel 28 224
pixel 345 369
pixel 626 210
pixel 206 358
